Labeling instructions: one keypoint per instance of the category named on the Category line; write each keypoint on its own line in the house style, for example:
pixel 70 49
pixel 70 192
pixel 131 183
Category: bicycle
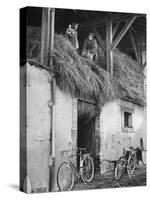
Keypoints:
pixel 126 163
pixel 67 170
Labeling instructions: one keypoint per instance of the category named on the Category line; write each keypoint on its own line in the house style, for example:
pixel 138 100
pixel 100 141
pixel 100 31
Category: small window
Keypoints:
pixel 127 119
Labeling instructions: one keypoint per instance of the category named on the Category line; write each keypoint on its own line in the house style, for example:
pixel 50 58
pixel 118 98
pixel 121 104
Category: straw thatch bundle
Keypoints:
pixel 127 74
pixel 77 75
pixel 82 78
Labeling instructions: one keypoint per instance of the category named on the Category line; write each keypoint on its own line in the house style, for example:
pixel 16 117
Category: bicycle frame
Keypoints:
pixel 74 168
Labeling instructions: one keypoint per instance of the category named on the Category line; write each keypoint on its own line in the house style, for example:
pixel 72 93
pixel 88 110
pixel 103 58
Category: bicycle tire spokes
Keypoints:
pixel 87 169
pixel 120 169
pixel 67 170
pixel 65 177
pixel 131 164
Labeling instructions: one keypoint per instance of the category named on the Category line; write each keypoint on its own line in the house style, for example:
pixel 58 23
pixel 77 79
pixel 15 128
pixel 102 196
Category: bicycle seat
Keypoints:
pixel 81 150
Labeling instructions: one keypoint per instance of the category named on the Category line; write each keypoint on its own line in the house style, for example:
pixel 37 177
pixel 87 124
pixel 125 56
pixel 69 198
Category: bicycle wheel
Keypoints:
pixel 87 172
pixel 65 177
pixel 120 169
pixel 131 163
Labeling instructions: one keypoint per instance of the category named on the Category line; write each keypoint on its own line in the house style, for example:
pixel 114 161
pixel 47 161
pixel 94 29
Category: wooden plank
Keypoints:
pixel 99 39
pixel 109 53
pixel 123 31
pixel 134 45
pixel 87 101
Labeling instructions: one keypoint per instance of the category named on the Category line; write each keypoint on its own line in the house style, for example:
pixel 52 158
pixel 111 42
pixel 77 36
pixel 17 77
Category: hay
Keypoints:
pixel 85 79
pixel 77 75
pixel 128 76
pixel 87 110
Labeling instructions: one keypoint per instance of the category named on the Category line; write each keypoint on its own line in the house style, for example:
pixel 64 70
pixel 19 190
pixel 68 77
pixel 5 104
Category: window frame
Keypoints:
pixel 128 119
pixel 127 129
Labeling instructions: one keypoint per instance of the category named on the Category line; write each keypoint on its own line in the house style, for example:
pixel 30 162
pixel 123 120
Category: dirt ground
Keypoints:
pixel 107 180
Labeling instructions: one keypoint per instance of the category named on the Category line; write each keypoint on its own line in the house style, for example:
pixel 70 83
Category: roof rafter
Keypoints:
pixel 123 31
pixel 134 45
pixel 115 29
pixel 99 39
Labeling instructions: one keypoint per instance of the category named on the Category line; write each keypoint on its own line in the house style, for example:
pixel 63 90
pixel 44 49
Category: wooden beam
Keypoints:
pixel 123 31
pixel 140 53
pixel 115 29
pixel 99 39
pixel 52 26
pixel 45 35
pixel 109 53
pixel 145 63
pixel 102 20
pixel 134 31
pixel 134 45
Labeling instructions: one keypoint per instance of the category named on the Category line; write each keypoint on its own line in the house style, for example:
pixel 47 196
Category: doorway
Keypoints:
pixel 86 128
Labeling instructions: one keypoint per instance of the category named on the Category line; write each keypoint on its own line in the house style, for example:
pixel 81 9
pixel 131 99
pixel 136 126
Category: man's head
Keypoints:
pixel 91 36
pixel 75 26
pixel 69 26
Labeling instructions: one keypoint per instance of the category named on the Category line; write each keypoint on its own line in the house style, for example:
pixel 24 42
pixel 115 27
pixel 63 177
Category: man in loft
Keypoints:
pixel 90 47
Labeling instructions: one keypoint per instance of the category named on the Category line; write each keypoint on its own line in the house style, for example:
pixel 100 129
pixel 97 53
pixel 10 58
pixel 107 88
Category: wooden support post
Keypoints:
pixel 109 53
pixel 99 39
pixel 45 36
pixel 52 26
pixel 134 45
pixel 47 43
pixel 123 31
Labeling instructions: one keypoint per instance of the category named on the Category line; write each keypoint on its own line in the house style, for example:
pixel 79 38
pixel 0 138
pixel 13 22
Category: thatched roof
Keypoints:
pixel 85 79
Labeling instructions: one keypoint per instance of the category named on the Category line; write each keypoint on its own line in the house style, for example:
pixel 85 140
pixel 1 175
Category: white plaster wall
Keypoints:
pixel 111 130
pixel 63 121
pixel 63 127
pixel 38 124
pixel 38 121
pixel 110 127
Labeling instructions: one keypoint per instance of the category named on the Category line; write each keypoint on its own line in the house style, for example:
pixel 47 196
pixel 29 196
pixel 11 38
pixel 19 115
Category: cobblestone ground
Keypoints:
pixel 107 180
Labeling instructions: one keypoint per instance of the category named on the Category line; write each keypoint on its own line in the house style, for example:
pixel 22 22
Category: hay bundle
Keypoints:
pixel 77 75
pixel 130 78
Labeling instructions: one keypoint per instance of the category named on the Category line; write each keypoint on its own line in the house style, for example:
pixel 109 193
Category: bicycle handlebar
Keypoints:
pixel 73 150
pixel 130 147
